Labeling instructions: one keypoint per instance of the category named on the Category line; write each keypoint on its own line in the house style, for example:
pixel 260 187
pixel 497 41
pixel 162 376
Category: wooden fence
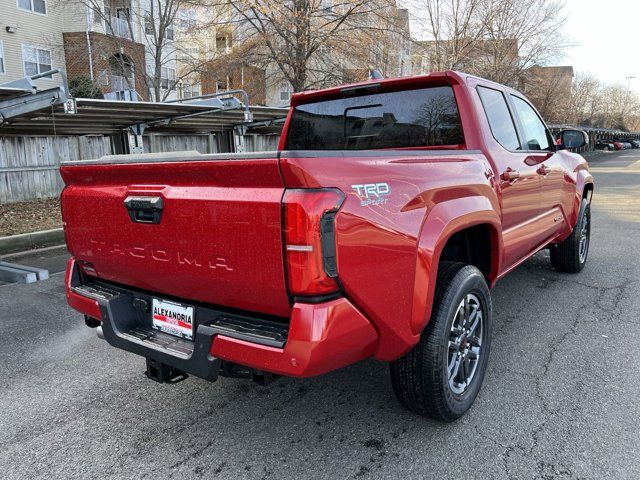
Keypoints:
pixel 29 165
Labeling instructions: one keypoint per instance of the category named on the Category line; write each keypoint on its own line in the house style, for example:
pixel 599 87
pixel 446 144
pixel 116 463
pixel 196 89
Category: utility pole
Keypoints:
pixel 626 97
pixel 628 79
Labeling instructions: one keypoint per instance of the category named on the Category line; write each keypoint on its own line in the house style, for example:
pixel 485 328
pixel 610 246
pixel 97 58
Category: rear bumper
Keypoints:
pixel 319 337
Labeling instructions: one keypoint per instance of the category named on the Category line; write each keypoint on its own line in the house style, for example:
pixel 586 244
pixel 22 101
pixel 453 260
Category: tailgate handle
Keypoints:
pixel 144 209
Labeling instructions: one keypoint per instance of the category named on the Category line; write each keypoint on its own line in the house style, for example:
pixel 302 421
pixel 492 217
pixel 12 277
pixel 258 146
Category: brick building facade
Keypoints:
pixel 221 75
pixel 111 61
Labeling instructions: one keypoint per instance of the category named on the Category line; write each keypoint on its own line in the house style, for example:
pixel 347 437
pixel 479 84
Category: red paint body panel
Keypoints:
pixel 322 337
pixel 377 245
pixel 220 240
pixel 84 305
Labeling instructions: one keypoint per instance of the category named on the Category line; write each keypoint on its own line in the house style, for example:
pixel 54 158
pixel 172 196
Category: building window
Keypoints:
pixel 148 24
pixel 35 6
pixel 190 91
pixel 151 27
pixel 188 19
pixel 119 25
pixel 223 85
pixel 98 16
pixel 189 54
pixel 36 60
pixel 285 93
pixel 223 43
pixel 121 73
pixel 167 78
pixel 2 71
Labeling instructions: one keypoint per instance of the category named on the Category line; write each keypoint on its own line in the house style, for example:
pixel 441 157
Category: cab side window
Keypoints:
pixel 535 133
pixel 500 121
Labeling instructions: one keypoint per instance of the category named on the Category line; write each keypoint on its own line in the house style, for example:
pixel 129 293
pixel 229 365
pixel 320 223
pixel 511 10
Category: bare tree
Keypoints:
pixel 455 29
pixel 535 27
pixel 159 19
pixel 550 90
pixel 617 106
pixel 496 39
pixel 585 100
pixel 594 104
pixel 308 43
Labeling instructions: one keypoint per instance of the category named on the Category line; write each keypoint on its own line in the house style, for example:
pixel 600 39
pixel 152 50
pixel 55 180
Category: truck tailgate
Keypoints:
pixel 217 238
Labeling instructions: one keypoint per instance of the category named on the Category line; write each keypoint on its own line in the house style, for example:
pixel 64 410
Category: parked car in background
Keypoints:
pixel 626 143
pixel 605 145
pixel 635 143
pixel 618 145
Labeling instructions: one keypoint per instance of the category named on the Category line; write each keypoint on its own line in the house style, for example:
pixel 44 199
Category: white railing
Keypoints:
pixel 119 27
pixel 119 83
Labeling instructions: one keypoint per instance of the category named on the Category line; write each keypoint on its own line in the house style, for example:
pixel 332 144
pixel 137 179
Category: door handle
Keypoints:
pixel 144 209
pixel 509 175
pixel 543 170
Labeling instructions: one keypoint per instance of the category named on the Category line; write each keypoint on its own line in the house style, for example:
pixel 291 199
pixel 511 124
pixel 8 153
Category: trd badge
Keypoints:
pixel 372 193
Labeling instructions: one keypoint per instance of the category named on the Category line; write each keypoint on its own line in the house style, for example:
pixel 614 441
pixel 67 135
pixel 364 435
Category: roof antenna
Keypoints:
pixel 375 74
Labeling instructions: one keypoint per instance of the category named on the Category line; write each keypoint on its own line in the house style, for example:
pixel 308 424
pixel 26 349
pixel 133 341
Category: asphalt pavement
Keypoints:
pixel 560 398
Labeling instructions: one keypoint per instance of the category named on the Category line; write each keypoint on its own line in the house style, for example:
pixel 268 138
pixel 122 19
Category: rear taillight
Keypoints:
pixel 309 240
pixel 65 228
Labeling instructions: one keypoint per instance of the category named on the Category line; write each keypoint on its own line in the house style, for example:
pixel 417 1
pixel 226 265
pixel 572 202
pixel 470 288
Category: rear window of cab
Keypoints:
pixel 425 117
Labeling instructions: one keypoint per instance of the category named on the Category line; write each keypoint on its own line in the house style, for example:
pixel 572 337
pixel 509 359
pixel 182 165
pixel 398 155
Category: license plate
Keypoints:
pixel 173 318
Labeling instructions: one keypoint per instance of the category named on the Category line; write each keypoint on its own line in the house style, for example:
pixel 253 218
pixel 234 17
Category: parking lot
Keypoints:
pixel 560 399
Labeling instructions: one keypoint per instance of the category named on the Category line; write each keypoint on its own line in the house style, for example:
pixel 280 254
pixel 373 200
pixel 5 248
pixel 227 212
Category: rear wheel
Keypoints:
pixel 442 375
pixel 571 255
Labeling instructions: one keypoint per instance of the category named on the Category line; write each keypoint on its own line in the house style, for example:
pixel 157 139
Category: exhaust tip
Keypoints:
pixel 100 333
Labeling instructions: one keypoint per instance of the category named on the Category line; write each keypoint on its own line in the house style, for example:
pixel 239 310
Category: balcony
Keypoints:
pixel 119 27
pixel 119 83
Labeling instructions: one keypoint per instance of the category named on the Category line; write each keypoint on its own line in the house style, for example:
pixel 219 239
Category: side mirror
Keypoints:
pixel 573 139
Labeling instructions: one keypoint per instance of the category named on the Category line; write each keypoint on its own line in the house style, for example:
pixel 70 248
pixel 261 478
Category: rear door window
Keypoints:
pixel 499 117
pixel 425 117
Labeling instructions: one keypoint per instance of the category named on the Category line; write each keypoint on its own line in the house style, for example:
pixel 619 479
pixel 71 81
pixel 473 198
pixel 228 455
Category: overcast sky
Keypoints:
pixel 606 34
pixel 608 38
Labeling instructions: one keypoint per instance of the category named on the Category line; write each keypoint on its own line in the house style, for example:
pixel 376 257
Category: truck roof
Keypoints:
pixel 397 83
pixel 435 78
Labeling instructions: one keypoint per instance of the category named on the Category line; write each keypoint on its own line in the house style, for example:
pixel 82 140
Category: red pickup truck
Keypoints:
pixel 376 230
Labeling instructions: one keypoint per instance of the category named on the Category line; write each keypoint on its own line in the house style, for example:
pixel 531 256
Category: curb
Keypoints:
pixel 29 241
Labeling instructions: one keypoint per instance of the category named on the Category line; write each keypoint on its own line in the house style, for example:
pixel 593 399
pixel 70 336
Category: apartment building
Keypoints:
pixel 31 40
pixel 219 51
pixel 211 56
pixel 106 45
pixel 104 40
pixel 479 57
pixel 382 43
pixel 550 89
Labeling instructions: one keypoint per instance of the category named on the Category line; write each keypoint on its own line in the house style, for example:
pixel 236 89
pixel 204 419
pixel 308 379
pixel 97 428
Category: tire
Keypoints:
pixel 421 379
pixel 570 256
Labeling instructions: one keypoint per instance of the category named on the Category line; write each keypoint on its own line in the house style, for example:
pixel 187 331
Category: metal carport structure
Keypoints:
pixel 25 110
